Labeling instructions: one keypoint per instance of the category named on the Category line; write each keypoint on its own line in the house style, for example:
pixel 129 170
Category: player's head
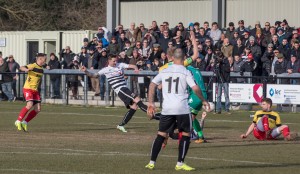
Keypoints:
pixel 112 60
pixel 41 59
pixel 266 104
pixel 178 55
pixel 170 53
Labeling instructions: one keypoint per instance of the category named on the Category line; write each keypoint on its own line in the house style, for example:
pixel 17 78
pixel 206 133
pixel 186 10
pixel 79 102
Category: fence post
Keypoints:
pixel 85 89
pixel 63 87
pixel 43 89
pixel 265 82
pixel 106 92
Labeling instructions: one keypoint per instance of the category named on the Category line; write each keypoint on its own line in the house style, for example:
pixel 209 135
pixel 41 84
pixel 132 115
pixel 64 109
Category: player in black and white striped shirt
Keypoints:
pixel 115 77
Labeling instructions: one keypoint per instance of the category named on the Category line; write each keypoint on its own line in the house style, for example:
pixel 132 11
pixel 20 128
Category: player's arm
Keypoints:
pixel 195 46
pixel 198 92
pixel 250 129
pixel 133 67
pixel 93 75
pixel 151 95
pixel 27 68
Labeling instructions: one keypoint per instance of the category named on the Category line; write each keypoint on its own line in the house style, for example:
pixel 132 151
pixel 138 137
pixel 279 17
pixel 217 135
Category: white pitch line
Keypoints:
pixel 43 171
pixel 120 116
pixel 93 153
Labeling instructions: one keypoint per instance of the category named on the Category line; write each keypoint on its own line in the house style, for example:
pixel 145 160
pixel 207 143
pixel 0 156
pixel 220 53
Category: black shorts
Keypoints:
pixel 184 122
pixel 126 96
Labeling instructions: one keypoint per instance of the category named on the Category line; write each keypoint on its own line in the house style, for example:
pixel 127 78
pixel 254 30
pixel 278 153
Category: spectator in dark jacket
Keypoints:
pixel 293 66
pixel 55 78
pixel 67 56
pixel 284 48
pixel 267 60
pixel 113 47
pixel 73 79
pixel 13 67
pixel 238 49
pixel 281 67
pixel 199 63
pixel 230 31
pixel 6 79
pixel 296 50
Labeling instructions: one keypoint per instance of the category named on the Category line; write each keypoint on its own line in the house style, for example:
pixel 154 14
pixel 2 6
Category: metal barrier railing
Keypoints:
pixel 46 88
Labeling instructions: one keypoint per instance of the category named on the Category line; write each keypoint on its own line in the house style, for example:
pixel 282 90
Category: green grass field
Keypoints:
pixel 78 140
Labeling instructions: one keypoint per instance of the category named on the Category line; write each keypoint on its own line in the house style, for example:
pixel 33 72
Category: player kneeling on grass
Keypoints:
pixel 267 125
pixel 30 91
pixel 115 77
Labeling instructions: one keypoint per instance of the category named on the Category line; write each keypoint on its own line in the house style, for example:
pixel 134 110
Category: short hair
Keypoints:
pixel 40 55
pixel 214 23
pixel 178 54
pixel 267 100
pixel 170 51
pixel 110 57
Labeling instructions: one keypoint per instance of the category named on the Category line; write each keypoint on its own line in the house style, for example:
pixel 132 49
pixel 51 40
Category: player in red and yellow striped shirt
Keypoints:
pixel 30 91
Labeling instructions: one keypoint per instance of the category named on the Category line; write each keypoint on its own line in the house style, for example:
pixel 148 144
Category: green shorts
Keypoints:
pixel 195 104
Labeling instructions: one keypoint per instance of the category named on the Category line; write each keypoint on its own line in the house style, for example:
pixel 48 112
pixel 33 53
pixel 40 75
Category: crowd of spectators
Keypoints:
pixel 263 50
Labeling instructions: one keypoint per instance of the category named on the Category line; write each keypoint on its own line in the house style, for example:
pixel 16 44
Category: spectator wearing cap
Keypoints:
pixel 267 60
pixel 296 50
pixel 249 65
pixel 238 49
pixel 121 41
pixel 285 48
pixel 215 33
pixel 230 31
pixel 255 49
pixel 293 66
pixel 55 78
pixel 156 53
pixel 257 27
pixel 281 34
pixel 86 43
pixel 191 27
pixel 226 48
pixel 67 57
pixel 281 67
pixel 241 29
pixel 113 47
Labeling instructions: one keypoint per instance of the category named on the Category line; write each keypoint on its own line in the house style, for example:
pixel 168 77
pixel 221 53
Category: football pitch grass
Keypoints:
pixel 79 140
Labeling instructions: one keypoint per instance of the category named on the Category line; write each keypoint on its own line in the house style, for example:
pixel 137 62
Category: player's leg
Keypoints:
pixel 195 106
pixel 22 114
pixel 184 125
pixel 165 123
pixel 263 124
pixel 285 130
pixel 31 115
pixel 127 117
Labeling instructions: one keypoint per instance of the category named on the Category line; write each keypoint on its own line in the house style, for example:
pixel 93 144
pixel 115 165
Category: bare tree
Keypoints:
pixel 19 15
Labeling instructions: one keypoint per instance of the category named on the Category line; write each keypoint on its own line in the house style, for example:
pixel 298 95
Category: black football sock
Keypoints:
pixel 142 106
pixel 156 147
pixel 127 117
pixel 184 145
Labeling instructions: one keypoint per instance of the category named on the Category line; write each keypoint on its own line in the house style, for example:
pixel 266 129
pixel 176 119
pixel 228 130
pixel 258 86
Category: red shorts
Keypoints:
pixel 31 95
pixel 261 135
